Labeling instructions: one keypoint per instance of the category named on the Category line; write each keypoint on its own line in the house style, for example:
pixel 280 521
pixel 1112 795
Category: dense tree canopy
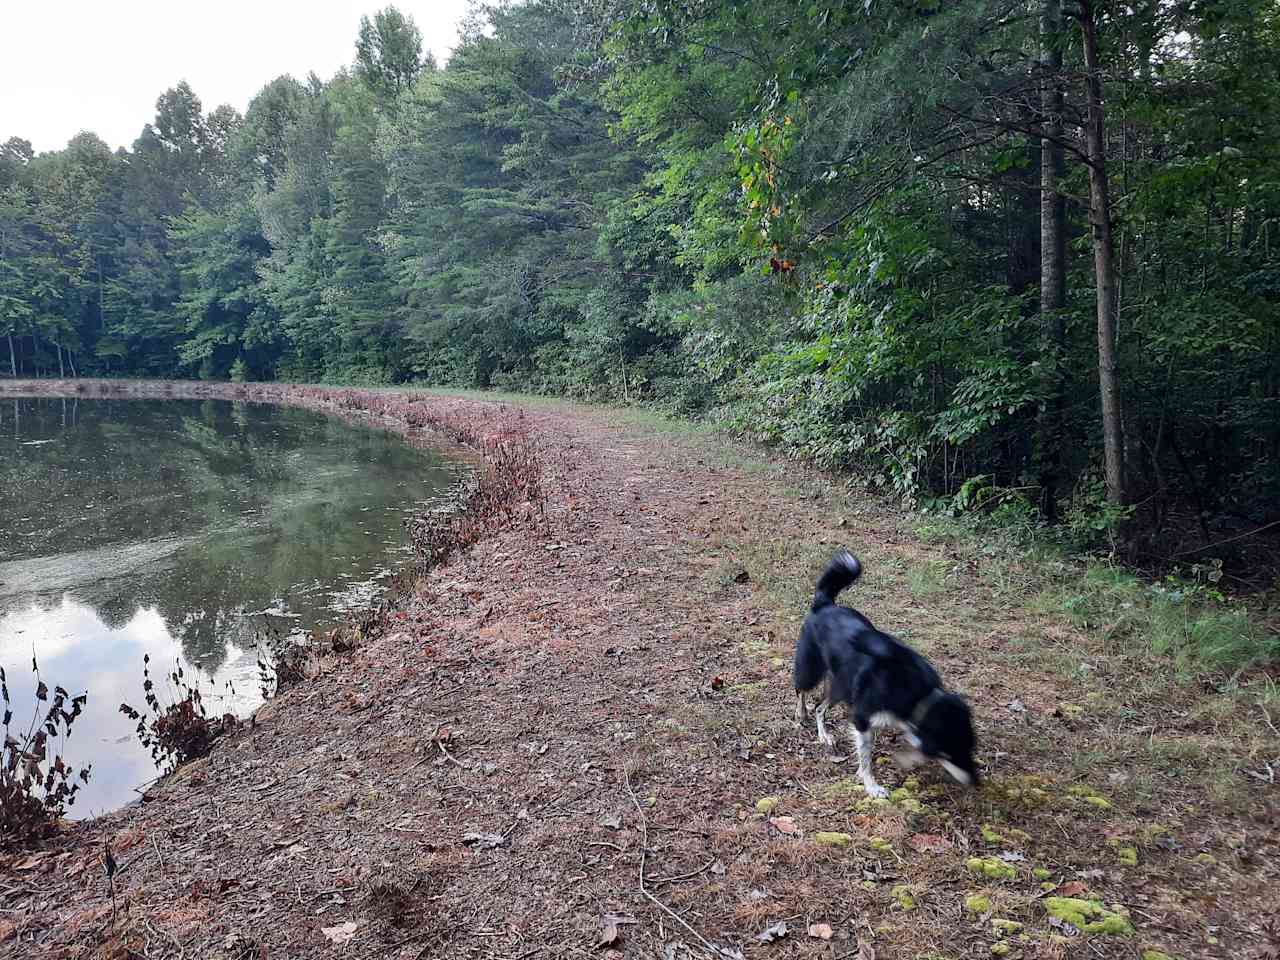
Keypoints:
pixel 989 252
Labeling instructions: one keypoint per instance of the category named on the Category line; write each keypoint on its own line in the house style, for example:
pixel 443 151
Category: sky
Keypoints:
pixel 99 65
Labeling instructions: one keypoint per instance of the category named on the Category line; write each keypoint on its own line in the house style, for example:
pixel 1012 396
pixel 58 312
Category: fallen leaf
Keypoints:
pixel 609 934
pixel 8 929
pixel 929 843
pixel 486 841
pixel 1012 856
pixel 866 951
pixel 613 822
pixel 1072 889
pixel 340 934
pixel 718 868
pixel 821 931
pixel 785 825
pixel 775 931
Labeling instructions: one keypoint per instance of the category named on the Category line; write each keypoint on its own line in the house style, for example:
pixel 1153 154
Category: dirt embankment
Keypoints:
pixel 605 691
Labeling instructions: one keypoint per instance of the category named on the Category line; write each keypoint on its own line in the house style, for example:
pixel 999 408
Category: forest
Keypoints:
pixel 1019 257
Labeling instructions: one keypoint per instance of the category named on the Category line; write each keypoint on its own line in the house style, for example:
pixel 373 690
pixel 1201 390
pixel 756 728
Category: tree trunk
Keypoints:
pixel 71 362
pixel 62 370
pixel 1053 273
pixel 1103 263
pixel 13 357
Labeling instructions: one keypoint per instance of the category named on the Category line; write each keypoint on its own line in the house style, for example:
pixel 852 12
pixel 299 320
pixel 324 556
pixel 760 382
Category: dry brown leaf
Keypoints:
pixel 609 934
pixel 821 931
pixel 340 934
pixel 1072 889
pixel 785 825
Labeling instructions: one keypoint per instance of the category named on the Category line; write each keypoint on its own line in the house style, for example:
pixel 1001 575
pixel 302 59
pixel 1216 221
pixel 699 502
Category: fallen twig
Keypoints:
pixel 684 876
pixel 644 846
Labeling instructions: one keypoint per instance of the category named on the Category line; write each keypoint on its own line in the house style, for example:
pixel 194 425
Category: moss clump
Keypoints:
pixel 1088 916
pixel 766 805
pixel 1040 873
pixel 1000 949
pixel 1207 859
pixel 1083 794
pixel 846 788
pixel 880 844
pixel 991 867
pixel 902 893
pixel 977 903
pixel 1128 856
pixel 1048 885
pixel 1027 791
pixel 990 835
pixel 1155 955
pixel 830 838
pixel 1005 928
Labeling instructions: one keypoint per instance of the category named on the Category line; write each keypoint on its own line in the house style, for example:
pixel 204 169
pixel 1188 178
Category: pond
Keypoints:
pixel 183 529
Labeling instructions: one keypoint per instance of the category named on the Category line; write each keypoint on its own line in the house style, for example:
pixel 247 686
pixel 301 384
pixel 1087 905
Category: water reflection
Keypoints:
pixel 132 527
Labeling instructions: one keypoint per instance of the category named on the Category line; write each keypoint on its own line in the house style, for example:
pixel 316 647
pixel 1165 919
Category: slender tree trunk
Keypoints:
pixel 1103 263
pixel 13 357
pixel 71 361
pixel 1053 272
pixel 62 370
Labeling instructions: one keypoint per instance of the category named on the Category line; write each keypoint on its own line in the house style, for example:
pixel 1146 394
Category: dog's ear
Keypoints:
pixel 876 644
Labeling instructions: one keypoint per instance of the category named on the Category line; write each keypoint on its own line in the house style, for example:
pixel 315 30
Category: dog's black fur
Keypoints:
pixel 882 681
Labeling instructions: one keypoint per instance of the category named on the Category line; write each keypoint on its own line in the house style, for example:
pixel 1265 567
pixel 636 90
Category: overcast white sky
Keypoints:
pixel 72 65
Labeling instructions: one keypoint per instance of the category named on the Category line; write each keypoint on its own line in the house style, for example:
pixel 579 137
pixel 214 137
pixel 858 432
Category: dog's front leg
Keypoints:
pixel 866 740
pixel 802 708
pixel 824 738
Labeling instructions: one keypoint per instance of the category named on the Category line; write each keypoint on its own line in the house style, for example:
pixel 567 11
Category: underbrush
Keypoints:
pixel 36 785
pixel 1184 617
pixel 178 728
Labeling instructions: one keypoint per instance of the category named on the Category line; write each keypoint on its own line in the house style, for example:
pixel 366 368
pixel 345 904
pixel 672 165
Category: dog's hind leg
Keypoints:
pixel 866 740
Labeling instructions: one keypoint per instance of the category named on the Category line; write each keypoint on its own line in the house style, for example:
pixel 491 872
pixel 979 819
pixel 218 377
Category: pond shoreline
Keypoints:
pixel 378 411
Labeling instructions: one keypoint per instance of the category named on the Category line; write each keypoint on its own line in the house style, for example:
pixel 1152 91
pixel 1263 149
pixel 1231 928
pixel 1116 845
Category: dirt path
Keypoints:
pixel 480 780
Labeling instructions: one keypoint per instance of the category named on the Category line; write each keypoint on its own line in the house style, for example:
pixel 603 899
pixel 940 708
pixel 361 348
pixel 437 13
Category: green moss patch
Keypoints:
pixel 991 867
pixel 1088 916
pixel 766 805
pixel 829 838
pixel 977 903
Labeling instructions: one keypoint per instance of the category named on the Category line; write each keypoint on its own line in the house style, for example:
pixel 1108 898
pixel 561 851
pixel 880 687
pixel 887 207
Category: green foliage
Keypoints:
pixel 819 223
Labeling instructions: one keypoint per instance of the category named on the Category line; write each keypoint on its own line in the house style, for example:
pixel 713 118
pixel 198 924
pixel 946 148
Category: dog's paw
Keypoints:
pixel 875 791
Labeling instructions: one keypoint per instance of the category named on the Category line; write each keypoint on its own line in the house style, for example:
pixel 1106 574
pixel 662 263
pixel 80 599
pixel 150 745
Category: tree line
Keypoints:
pixel 1008 255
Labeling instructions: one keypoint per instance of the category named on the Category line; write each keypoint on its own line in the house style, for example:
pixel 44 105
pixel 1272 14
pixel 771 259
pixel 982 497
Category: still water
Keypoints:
pixel 182 529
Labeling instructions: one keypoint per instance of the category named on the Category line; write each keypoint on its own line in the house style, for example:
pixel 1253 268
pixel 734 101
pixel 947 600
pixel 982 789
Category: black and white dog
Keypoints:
pixel 883 682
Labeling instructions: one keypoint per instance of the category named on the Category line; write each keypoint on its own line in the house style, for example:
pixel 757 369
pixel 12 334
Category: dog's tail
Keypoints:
pixel 843 569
